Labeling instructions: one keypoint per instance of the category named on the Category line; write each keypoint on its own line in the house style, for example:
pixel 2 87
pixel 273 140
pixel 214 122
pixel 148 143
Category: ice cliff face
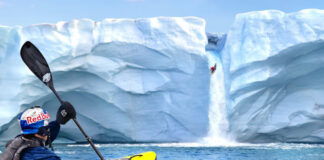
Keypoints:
pixel 129 80
pixel 273 64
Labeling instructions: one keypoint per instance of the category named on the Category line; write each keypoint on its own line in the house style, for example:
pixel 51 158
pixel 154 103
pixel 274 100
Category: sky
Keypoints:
pixel 219 14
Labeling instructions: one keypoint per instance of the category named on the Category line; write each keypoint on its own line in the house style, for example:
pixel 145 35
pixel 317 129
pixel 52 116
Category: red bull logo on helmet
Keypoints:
pixel 35 115
pixel 39 117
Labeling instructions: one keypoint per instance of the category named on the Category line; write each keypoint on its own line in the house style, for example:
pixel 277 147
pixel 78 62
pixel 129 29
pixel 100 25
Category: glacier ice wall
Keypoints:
pixel 143 80
pixel 148 79
pixel 273 64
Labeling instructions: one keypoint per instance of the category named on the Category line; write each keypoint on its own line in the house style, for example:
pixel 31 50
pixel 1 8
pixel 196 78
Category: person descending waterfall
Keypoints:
pixel 37 133
pixel 213 69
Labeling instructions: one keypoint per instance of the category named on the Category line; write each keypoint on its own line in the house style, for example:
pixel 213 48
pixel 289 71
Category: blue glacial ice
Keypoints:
pixel 142 80
pixel 274 76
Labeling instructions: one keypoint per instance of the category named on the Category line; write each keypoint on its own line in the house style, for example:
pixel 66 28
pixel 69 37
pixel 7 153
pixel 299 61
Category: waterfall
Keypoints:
pixel 217 107
pixel 218 123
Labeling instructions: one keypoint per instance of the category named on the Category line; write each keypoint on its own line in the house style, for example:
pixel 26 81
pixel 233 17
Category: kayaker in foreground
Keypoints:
pixel 37 133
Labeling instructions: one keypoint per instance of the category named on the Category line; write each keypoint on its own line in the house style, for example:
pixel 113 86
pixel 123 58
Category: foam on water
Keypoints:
pixel 284 146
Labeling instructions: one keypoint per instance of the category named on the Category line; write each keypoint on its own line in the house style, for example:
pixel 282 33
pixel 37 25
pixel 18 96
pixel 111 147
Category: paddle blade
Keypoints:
pixel 36 62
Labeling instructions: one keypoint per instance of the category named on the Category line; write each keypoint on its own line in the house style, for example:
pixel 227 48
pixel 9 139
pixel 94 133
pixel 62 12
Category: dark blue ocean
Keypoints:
pixel 185 151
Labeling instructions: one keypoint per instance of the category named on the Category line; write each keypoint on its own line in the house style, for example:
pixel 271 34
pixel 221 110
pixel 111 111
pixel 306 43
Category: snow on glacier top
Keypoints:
pixel 257 35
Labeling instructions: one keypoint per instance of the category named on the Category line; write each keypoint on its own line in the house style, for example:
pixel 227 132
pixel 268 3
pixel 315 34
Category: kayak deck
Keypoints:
pixel 141 156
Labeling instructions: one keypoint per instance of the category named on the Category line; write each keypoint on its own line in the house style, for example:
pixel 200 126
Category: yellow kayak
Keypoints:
pixel 141 156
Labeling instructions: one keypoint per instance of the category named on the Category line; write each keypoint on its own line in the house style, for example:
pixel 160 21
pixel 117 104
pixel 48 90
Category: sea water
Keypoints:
pixel 192 151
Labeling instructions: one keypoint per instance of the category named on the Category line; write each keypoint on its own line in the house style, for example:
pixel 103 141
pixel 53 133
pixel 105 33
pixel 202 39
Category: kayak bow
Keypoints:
pixel 141 156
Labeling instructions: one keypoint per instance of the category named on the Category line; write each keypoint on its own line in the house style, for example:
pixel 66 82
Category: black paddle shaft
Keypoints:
pixel 36 62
